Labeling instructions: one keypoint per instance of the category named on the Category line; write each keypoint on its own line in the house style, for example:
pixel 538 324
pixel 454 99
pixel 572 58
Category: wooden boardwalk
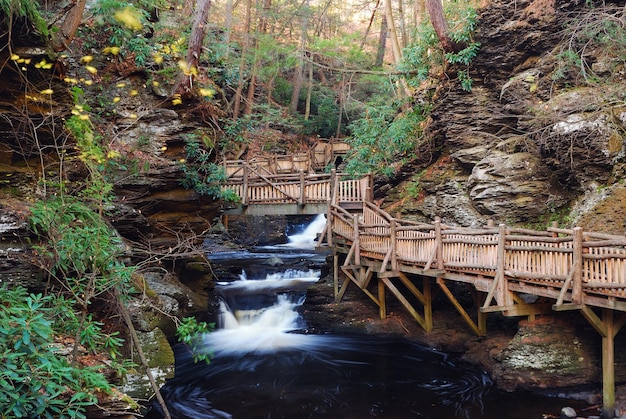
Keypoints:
pixel 517 272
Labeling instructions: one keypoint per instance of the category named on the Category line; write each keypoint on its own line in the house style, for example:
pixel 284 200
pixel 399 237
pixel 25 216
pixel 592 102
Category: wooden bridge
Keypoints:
pixel 517 272
pixel 559 269
pixel 287 187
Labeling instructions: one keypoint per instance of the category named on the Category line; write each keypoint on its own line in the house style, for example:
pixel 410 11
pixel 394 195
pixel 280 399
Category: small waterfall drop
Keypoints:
pixel 307 239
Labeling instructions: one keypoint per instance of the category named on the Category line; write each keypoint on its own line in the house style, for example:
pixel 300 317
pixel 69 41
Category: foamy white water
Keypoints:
pixel 306 239
pixel 259 331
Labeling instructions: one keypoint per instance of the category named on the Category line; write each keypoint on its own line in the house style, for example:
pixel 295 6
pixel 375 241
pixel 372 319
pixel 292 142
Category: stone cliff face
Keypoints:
pixel 526 144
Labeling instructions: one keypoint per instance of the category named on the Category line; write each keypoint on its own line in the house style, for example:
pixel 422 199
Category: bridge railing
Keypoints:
pixel 254 186
pixel 569 260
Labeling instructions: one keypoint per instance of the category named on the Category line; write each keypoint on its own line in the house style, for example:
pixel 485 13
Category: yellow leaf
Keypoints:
pixel 181 160
pixel 155 83
pixel 116 99
pixel 111 50
pixel 83 117
pixel 207 92
pixel 92 70
pixel 133 92
pixel 88 82
pixel 87 59
pixel 20 61
pixel 40 64
pixel 133 116
pixel 158 58
pixel 47 92
pixel 177 102
pixel 129 17
pixel 27 61
pixel 187 68
pixel 70 80
pixel 120 85
pixel 15 57
pixel 163 148
pixel 112 154
pixel 47 66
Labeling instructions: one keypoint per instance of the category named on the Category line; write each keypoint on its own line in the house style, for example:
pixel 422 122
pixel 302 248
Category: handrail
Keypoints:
pixel 584 267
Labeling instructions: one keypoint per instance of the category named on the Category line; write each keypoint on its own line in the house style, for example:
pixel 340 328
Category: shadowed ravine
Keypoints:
pixel 264 366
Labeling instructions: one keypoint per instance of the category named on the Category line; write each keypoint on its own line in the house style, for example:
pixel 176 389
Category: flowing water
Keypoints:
pixel 263 367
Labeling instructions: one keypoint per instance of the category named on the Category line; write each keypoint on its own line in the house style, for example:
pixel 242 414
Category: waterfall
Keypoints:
pixel 309 236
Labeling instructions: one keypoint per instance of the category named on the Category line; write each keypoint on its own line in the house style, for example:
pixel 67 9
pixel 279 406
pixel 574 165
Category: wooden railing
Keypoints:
pixel 255 186
pixel 568 265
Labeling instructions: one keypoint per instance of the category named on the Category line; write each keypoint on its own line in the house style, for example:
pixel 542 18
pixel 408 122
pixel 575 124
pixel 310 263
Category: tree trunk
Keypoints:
pixel 403 31
pixel 309 92
pixel 382 43
pixel 298 77
pixel 61 39
pixel 198 31
pixel 369 26
pixel 439 22
pixel 393 34
pixel 242 62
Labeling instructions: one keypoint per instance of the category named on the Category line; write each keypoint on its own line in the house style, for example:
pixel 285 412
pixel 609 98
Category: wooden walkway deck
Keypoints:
pixel 559 269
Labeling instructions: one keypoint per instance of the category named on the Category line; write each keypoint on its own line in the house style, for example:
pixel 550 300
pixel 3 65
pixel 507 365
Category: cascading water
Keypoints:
pixel 263 366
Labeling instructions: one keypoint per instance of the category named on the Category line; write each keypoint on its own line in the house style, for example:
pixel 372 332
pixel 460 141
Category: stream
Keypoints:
pixel 264 366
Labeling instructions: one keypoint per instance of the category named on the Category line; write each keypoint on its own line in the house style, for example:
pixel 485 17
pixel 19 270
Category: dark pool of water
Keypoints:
pixel 342 377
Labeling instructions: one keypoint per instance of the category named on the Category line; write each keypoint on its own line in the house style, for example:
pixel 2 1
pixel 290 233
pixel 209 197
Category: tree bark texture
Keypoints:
pixel 198 32
pixel 61 39
pixel 440 24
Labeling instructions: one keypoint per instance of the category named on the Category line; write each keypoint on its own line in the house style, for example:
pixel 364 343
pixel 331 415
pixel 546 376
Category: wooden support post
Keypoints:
pixel 335 272
pixel 439 243
pixel 608 365
pixel 225 221
pixel 428 305
pixel 382 305
pixel 607 327
pixel 577 267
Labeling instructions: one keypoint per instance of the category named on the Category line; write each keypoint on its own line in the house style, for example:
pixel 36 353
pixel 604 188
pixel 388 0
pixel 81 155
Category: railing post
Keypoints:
pixel 244 198
pixel 577 266
pixel 502 290
pixel 302 194
pixel 331 191
pixel 394 250
pixel 439 243
pixel 357 240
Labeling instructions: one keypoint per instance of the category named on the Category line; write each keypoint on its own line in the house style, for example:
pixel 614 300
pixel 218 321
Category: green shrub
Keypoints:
pixel 34 380
pixel 381 141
